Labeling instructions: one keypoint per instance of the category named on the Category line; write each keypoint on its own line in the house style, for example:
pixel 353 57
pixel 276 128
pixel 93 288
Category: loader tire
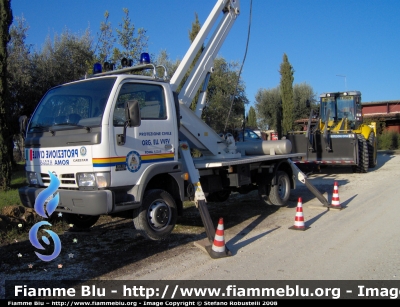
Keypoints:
pixel 363 157
pixel 156 217
pixel 372 151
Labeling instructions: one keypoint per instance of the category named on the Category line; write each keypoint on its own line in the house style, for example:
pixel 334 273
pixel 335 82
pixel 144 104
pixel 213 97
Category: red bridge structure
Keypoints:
pixel 387 111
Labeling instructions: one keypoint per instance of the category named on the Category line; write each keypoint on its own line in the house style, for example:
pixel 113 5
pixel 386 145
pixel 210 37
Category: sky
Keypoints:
pixel 335 45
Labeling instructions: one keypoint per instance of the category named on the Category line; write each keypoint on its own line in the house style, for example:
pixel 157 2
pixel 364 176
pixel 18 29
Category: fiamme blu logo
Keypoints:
pixel 41 210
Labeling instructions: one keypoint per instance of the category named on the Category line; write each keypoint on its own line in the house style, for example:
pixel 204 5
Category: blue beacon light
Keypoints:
pixel 97 68
pixel 144 58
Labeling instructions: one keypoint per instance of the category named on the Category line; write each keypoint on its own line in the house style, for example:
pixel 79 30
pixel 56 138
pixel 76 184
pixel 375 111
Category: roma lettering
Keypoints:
pixel 61 162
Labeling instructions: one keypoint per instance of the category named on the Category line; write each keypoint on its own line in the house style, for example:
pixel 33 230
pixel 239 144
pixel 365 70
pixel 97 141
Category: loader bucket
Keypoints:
pixel 335 149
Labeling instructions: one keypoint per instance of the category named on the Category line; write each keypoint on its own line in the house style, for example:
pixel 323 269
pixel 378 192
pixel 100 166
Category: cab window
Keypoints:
pixel 151 101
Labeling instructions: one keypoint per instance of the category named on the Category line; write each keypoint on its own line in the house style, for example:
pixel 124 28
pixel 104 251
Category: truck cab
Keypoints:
pixel 81 135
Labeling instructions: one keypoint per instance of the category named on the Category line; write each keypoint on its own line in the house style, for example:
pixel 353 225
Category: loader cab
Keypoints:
pixel 341 106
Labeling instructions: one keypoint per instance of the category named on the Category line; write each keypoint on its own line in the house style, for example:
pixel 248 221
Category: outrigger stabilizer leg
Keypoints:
pixel 303 179
pixel 201 204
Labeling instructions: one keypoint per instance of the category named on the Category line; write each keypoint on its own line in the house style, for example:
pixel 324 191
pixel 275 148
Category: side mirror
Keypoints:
pixel 132 113
pixel 132 119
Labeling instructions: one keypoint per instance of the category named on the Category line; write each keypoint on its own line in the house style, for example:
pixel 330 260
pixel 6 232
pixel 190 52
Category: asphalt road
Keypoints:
pixel 359 242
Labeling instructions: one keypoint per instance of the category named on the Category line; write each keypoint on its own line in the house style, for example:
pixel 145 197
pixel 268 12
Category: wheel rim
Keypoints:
pixel 282 188
pixel 159 215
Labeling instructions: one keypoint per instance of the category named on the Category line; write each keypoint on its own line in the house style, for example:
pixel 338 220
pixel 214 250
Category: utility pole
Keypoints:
pixel 345 85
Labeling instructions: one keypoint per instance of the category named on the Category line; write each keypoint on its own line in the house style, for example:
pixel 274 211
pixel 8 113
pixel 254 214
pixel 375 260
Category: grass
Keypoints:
pixel 18 179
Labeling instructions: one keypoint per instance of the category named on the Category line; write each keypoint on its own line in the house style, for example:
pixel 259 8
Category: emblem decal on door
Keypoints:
pixel 133 161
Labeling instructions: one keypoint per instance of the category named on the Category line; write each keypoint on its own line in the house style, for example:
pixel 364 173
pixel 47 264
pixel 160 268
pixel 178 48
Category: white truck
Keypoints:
pixel 121 140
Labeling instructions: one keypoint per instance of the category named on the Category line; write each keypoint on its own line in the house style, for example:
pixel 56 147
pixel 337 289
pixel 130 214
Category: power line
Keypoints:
pixel 240 71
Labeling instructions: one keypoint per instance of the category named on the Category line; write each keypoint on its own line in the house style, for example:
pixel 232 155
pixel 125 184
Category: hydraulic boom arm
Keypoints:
pixel 230 10
pixel 198 133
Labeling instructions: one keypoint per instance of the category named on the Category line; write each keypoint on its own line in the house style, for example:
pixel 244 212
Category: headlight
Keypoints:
pixel 86 180
pixel 100 180
pixel 32 178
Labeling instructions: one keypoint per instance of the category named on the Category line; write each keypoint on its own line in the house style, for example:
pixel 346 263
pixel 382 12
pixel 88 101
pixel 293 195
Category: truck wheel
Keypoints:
pixel 363 157
pixel 156 218
pixel 279 193
pixel 372 151
pixel 219 196
pixel 80 220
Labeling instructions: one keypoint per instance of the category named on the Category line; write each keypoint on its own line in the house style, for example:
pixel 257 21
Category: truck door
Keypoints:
pixel 154 141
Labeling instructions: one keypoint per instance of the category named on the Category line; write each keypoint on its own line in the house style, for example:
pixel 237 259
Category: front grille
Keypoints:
pixel 68 179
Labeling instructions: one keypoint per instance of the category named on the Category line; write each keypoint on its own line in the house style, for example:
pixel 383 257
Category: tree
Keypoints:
pixel 268 107
pixel 223 96
pixel 19 72
pixel 304 101
pixel 163 59
pixel 286 90
pixel 132 45
pixel 6 141
pixel 252 118
pixel 68 57
pixel 105 40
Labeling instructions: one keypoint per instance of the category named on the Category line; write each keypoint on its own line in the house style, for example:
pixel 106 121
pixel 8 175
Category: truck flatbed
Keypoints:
pixel 201 163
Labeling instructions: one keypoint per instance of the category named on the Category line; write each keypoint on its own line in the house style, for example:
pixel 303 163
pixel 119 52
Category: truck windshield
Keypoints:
pixel 72 105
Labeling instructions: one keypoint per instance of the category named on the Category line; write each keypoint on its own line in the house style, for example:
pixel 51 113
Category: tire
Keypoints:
pixel 372 151
pixel 219 196
pixel 80 220
pixel 276 195
pixel 280 193
pixel 157 216
pixel 363 157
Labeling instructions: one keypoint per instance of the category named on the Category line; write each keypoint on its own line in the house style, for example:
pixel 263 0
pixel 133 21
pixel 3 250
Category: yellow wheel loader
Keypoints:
pixel 339 137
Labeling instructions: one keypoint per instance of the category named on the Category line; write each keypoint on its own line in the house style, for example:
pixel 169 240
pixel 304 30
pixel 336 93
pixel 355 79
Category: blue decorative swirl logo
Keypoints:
pixel 50 208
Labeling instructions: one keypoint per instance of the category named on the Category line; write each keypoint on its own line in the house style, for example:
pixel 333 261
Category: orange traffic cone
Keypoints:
pixel 299 218
pixel 335 204
pixel 218 249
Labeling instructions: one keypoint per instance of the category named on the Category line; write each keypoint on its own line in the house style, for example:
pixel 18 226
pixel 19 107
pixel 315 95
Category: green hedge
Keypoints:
pixel 388 140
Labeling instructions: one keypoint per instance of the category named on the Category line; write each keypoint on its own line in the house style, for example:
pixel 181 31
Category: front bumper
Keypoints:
pixel 73 201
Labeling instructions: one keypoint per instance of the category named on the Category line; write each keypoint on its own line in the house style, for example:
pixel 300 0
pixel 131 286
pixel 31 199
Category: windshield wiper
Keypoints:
pixel 39 128
pixel 87 128
pixel 65 124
